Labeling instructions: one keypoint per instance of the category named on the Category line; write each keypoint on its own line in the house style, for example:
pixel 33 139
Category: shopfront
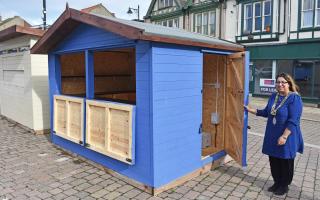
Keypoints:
pixel 301 61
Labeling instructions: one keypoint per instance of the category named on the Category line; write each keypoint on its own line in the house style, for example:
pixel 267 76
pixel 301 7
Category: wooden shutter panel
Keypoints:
pixel 68 117
pixel 110 129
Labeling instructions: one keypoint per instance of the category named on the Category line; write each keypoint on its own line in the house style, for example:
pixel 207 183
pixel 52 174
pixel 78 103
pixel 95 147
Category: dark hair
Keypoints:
pixel 293 87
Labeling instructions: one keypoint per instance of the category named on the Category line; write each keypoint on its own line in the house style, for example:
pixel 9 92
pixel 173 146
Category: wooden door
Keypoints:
pixel 234 123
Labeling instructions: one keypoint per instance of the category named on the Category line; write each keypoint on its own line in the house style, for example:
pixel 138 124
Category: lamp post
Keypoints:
pixel 44 12
pixel 137 10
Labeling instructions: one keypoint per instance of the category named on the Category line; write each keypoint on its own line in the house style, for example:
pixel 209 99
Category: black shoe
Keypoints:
pixel 281 190
pixel 273 188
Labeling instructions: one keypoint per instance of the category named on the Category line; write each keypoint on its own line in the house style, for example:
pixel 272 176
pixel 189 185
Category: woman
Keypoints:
pixel 283 138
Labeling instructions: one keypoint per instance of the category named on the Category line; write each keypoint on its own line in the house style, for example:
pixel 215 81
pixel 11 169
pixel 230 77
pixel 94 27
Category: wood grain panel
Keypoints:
pixel 213 100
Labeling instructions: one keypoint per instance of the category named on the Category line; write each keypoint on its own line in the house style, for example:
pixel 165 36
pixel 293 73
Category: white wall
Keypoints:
pixel 15 83
pixel 229 25
pixel 40 91
pixel 24 85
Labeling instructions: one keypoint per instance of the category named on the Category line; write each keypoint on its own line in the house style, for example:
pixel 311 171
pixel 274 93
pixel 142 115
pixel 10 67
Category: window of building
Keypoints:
pixel 257 17
pixel 247 18
pixel 198 23
pixel 266 22
pixel 169 23
pixel 317 15
pixel 307 13
pixel 212 23
pixel 165 23
pixel 176 23
pixel 165 3
pixel 205 23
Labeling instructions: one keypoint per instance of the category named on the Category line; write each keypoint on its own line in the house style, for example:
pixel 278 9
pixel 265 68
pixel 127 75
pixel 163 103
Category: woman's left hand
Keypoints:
pixel 282 140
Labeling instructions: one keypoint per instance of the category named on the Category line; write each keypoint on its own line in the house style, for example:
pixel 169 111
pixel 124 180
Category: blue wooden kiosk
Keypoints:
pixel 157 105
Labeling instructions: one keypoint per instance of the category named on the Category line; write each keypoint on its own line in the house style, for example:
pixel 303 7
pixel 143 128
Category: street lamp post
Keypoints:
pixel 137 10
pixel 44 12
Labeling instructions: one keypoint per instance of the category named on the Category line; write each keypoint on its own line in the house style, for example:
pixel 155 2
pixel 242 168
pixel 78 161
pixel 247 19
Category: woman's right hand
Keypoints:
pixel 250 110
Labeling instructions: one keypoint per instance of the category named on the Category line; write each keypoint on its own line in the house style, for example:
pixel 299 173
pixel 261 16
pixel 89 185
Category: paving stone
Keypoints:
pixel 81 194
pixel 55 191
pixel 112 195
pixel 59 196
pixel 214 188
pixel 83 186
pixel 132 193
pixel 199 188
pixel 143 196
pixel 202 197
pixel 100 193
pixel 93 188
pixel 191 195
pixel 70 192
pixel 208 193
pixel 222 193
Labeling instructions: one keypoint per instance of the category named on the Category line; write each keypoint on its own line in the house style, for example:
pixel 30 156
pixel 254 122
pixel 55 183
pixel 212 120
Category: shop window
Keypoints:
pixel 303 76
pixel 263 84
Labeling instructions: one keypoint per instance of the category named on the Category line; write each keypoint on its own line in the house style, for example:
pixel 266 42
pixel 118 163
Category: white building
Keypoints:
pixel 23 79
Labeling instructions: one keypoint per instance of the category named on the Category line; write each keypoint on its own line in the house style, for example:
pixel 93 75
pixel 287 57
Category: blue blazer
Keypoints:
pixel 288 116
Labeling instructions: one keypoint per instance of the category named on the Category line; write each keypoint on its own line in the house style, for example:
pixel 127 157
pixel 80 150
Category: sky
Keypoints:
pixel 31 10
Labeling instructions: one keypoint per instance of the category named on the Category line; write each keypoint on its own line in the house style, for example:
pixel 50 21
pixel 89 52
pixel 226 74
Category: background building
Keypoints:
pixel 281 35
pixel 23 76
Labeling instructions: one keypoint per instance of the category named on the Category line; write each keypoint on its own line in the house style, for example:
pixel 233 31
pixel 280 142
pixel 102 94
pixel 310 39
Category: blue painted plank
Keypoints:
pixel 173 94
pixel 54 84
pixel 176 59
pixel 213 157
pixel 169 76
pixel 177 111
pixel 177 68
pixel 88 37
pixel 176 85
pixel 89 74
pixel 246 101
pixel 134 172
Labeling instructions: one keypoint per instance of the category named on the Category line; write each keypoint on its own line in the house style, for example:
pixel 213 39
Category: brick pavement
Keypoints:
pixel 32 168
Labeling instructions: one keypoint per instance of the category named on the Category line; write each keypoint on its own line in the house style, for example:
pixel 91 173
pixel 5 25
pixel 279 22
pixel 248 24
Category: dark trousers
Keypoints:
pixel 281 170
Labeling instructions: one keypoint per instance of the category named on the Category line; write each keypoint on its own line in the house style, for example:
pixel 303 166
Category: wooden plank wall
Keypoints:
pixel 214 71
pixel 115 74
pixel 73 80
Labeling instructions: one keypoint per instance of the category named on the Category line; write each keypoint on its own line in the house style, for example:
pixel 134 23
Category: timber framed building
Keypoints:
pixel 281 35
